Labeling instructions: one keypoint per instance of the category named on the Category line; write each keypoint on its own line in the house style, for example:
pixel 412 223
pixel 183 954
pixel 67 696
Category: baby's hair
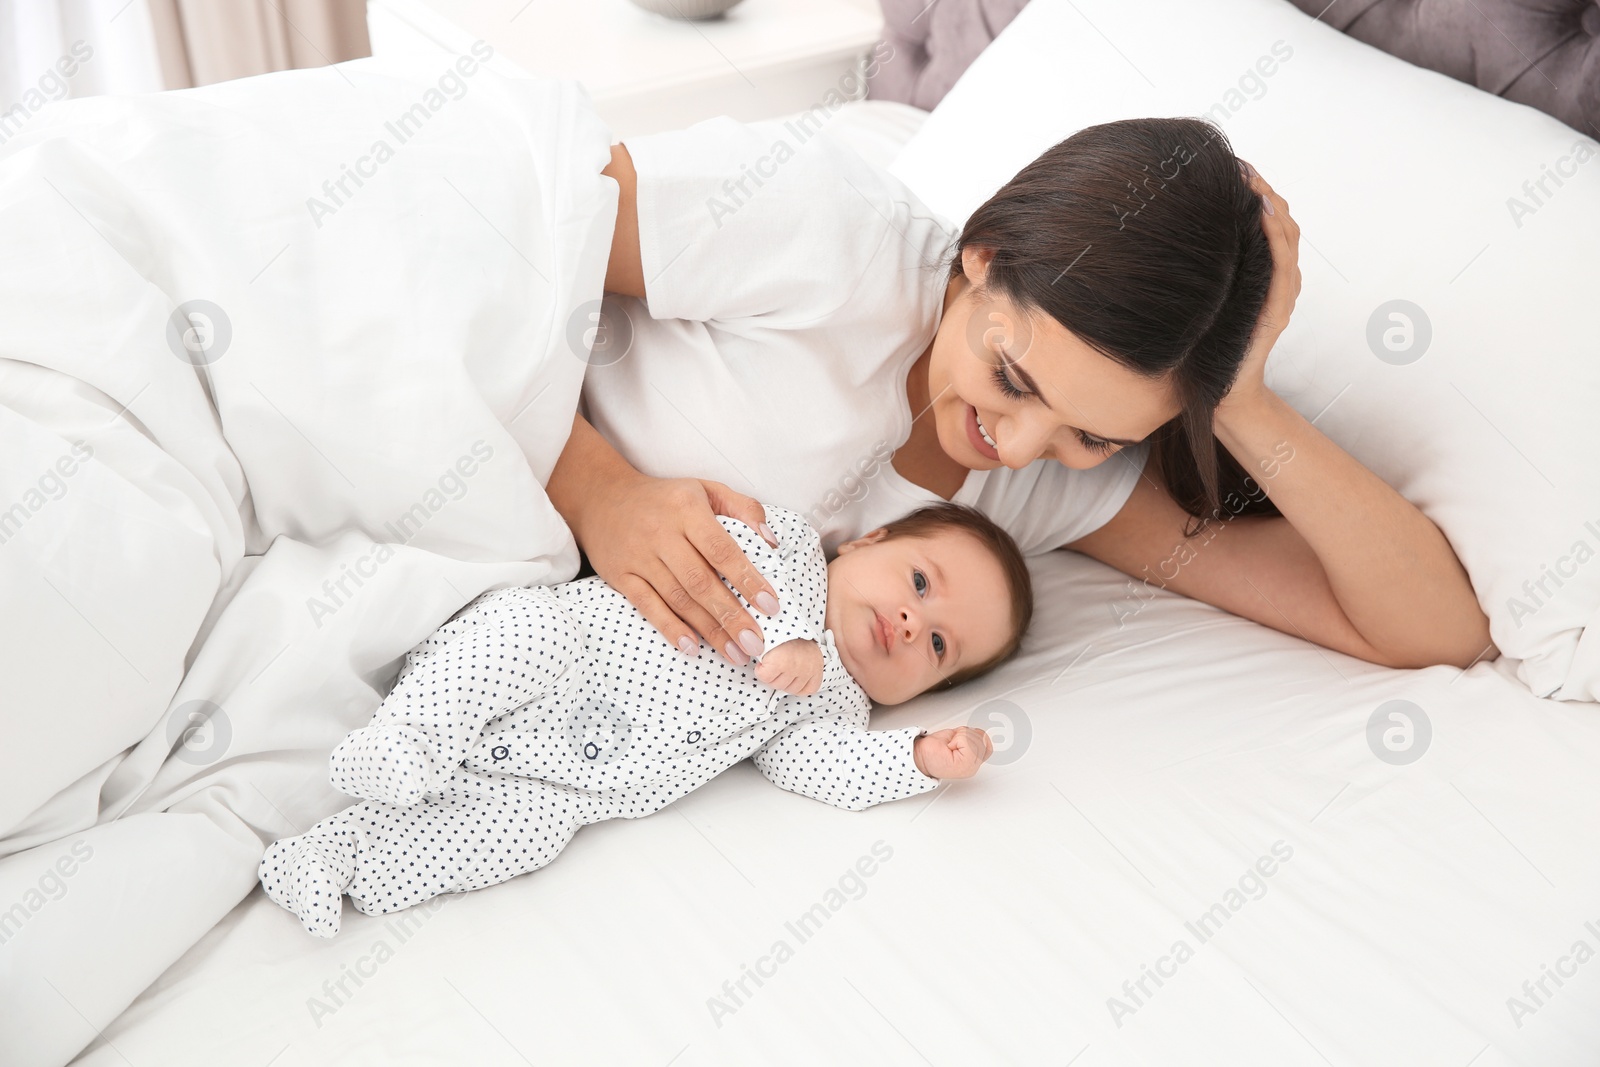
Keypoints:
pixel 936 518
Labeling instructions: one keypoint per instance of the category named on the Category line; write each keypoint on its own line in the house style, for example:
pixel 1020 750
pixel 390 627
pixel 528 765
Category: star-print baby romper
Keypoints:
pixel 538 710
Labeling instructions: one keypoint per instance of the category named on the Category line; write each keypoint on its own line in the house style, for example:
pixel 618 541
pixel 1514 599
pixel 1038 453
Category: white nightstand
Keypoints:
pixel 647 73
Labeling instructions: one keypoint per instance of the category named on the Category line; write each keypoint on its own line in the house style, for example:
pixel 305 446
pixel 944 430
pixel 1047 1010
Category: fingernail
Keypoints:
pixel 688 647
pixel 1269 206
pixel 750 642
pixel 767 602
pixel 766 531
pixel 731 650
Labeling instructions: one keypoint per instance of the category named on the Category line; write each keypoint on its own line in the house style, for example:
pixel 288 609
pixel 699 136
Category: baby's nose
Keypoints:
pixel 910 624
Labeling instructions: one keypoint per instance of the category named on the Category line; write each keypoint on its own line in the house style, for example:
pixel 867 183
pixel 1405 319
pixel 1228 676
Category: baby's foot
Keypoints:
pixel 301 878
pixel 384 763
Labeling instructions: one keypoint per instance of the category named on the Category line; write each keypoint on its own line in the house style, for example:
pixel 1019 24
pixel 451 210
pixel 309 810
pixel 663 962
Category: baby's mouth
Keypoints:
pixel 881 630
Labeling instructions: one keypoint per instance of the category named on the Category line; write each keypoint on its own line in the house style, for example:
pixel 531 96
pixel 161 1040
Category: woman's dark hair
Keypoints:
pixel 1143 238
pixel 932 519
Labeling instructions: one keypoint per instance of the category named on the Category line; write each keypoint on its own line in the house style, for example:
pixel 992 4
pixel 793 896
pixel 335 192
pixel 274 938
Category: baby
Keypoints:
pixel 538 710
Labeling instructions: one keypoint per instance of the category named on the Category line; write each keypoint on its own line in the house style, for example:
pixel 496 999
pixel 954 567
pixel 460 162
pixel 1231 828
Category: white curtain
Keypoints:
pixel 56 49
pixel 206 41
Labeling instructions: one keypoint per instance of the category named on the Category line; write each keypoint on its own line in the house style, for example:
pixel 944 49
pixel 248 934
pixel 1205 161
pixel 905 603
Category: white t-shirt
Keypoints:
pixel 790 287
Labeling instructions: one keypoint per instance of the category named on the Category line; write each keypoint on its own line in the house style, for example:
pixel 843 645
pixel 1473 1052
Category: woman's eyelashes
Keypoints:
pixel 1094 444
pixel 1003 381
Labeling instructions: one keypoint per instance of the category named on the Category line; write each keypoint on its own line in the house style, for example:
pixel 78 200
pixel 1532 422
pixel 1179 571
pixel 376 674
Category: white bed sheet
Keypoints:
pixel 1164 757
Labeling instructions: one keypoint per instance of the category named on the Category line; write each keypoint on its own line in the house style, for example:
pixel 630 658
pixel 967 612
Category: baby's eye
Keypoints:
pixel 919 581
pixel 938 645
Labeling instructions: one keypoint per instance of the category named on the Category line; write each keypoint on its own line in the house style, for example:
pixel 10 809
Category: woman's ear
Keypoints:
pixel 871 538
pixel 975 261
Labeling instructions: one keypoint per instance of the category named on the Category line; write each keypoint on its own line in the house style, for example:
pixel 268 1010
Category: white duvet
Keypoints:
pixel 262 436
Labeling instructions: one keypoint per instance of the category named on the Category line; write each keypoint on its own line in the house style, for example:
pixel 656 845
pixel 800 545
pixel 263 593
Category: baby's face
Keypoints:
pixel 908 612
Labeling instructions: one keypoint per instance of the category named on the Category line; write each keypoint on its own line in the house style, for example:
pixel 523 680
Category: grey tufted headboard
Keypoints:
pixel 934 43
pixel 1543 53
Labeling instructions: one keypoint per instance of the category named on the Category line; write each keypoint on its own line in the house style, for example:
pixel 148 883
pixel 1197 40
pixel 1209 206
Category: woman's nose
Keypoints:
pixel 1024 439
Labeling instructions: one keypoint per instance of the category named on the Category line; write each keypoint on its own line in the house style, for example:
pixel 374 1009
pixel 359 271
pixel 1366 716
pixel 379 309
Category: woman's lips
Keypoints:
pixel 976 437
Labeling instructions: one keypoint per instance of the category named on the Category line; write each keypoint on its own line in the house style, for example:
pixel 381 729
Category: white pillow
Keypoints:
pixel 1408 186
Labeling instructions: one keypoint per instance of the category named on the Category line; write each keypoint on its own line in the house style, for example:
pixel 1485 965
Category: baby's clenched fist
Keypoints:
pixel 954 753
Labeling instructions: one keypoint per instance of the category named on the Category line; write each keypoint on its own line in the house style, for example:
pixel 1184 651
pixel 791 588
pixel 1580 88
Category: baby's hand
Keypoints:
pixel 954 753
pixel 794 667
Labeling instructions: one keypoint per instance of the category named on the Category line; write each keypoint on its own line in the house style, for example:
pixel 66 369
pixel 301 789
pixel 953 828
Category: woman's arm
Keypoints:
pixel 655 540
pixel 1350 564
pixel 1390 569
pixel 624 268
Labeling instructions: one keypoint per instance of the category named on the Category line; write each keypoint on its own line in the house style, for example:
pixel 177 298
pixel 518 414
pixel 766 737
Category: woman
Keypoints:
pixel 1087 370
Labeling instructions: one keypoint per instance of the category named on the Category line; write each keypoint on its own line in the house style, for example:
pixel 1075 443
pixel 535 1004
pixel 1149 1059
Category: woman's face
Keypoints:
pixel 1033 387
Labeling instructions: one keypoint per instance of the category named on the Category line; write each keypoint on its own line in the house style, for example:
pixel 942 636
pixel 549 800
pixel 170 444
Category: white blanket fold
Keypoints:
pixel 284 365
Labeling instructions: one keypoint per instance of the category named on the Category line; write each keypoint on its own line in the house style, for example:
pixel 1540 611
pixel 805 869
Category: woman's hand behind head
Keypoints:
pixel 1283 234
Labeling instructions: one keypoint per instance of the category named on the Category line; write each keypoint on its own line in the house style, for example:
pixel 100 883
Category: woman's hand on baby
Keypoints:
pixel 794 667
pixel 657 541
pixel 1283 237
pixel 954 753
